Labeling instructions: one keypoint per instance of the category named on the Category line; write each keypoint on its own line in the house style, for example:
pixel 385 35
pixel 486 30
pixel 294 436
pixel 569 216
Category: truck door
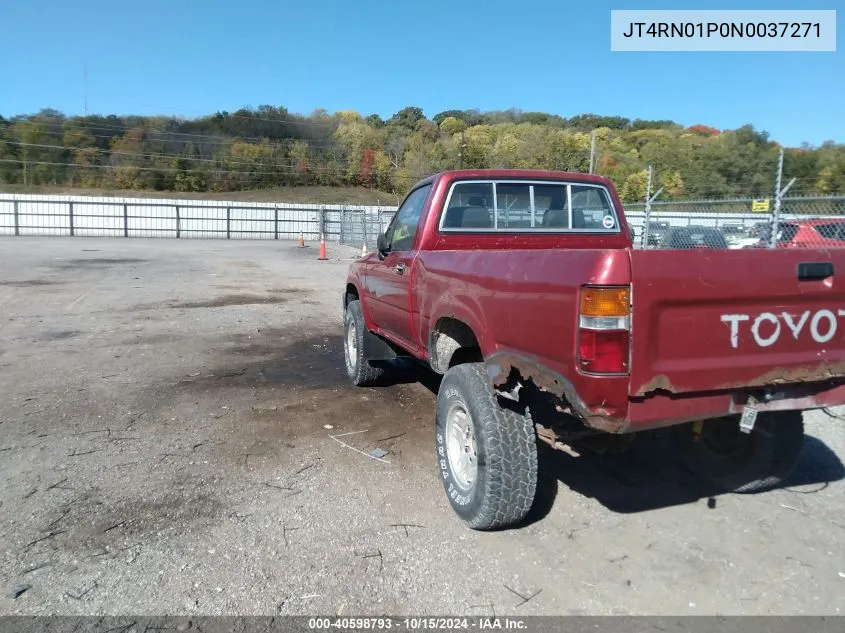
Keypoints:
pixel 388 280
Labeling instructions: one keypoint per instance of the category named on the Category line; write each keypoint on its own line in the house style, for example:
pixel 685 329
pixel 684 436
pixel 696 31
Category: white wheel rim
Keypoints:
pixel 461 446
pixel 351 344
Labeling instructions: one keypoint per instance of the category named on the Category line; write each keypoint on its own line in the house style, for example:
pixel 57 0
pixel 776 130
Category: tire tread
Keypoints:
pixel 366 374
pixel 511 452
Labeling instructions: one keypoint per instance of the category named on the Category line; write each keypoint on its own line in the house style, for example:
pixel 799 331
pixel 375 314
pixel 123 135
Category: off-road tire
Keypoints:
pixel 762 460
pixel 506 446
pixel 360 370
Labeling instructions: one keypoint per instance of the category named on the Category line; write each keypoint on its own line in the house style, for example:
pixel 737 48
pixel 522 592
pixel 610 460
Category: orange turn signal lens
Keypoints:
pixel 600 302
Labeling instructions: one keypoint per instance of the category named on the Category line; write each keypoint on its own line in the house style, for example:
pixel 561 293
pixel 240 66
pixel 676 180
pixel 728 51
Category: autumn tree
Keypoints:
pixel 270 146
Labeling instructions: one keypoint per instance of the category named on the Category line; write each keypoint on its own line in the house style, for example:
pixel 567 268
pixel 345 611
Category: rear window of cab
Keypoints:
pixel 515 206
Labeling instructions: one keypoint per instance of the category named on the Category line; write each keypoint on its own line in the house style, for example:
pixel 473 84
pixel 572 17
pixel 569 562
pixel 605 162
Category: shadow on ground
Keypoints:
pixel 408 370
pixel 293 358
pixel 284 357
pixel 649 476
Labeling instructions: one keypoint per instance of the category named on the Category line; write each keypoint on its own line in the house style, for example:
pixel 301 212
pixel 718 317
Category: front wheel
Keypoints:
pixel 486 454
pixel 358 367
pixel 743 462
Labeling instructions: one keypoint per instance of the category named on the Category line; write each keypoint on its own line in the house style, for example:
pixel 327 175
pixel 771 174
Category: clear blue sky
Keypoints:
pixel 181 57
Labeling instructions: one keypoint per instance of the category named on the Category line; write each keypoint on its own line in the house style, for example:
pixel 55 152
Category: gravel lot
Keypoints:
pixel 166 413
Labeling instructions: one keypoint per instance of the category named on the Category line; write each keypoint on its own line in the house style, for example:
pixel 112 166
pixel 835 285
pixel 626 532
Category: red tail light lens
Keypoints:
pixel 603 351
pixel 604 328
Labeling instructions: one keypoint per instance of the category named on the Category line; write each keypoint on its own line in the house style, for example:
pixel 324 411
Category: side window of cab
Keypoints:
pixel 403 228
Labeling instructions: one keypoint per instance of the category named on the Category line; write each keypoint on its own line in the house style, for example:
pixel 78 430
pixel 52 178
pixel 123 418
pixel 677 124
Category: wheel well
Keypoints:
pixel 351 294
pixel 452 342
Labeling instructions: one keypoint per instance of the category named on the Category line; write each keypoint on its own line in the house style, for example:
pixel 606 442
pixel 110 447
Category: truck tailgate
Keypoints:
pixel 711 320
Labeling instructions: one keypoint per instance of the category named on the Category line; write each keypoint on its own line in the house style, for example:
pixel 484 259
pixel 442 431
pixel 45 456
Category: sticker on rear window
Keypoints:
pixel 608 222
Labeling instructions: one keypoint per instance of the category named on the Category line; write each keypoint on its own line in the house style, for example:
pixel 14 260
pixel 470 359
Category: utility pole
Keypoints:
pixel 85 88
pixel 592 152
pixel 461 151
pixel 779 194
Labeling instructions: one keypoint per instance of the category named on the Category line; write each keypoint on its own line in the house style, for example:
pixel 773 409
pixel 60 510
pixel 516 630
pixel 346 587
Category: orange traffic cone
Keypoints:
pixel 322 247
pixel 301 241
pixel 364 250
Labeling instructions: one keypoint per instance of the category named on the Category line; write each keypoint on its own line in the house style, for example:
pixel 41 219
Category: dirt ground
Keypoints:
pixel 166 420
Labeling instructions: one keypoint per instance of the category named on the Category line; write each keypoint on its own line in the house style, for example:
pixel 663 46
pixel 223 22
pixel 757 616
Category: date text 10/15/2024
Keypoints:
pixel 418 623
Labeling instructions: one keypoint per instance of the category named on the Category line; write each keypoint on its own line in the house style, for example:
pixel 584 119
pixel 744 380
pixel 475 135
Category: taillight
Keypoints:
pixel 604 329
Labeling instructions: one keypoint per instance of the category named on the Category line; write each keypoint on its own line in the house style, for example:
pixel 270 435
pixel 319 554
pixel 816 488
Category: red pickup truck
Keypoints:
pixel 523 289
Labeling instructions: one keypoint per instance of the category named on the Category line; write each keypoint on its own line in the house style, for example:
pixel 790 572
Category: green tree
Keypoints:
pixel 450 126
pixel 634 187
pixel 477 144
pixel 672 183
pixel 298 155
pixel 407 117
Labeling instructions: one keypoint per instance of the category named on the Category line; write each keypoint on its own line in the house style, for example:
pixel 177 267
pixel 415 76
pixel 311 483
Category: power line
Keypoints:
pixel 342 174
pixel 129 128
pixel 170 169
pixel 224 172
pixel 120 137
pixel 146 155
pixel 223 143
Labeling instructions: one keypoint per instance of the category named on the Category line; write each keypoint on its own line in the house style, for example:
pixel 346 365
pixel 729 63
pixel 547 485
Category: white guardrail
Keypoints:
pixel 26 214
pixel 171 217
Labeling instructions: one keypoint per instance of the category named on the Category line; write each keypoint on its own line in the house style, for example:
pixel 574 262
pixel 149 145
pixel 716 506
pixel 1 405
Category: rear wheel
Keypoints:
pixel 358 367
pixel 487 454
pixel 743 462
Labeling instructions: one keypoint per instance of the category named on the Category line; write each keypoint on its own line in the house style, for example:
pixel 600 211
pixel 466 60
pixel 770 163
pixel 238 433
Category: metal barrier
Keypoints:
pixel 809 221
pixel 361 226
pixel 185 219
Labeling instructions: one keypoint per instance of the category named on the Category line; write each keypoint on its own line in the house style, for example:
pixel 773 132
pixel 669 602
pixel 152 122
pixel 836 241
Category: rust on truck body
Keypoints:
pixel 777 376
pixel 505 367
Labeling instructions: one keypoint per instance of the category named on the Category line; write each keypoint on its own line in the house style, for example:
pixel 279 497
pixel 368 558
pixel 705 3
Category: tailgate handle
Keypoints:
pixel 813 271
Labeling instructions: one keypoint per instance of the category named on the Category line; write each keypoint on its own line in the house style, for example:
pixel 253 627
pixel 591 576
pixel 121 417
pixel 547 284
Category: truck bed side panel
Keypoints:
pixel 525 303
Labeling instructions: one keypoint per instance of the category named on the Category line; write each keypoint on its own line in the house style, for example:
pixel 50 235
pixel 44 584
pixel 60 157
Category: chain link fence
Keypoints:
pixel 805 222
pixel 363 226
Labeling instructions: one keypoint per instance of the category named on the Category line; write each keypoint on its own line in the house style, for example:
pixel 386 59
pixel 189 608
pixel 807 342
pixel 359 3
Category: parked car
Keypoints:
pixel 755 236
pixel 760 230
pixel 521 288
pixel 809 233
pixel 656 230
pixel 733 232
pixel 693 237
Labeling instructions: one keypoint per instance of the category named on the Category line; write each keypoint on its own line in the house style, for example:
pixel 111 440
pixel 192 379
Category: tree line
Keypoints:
pixel 270 147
